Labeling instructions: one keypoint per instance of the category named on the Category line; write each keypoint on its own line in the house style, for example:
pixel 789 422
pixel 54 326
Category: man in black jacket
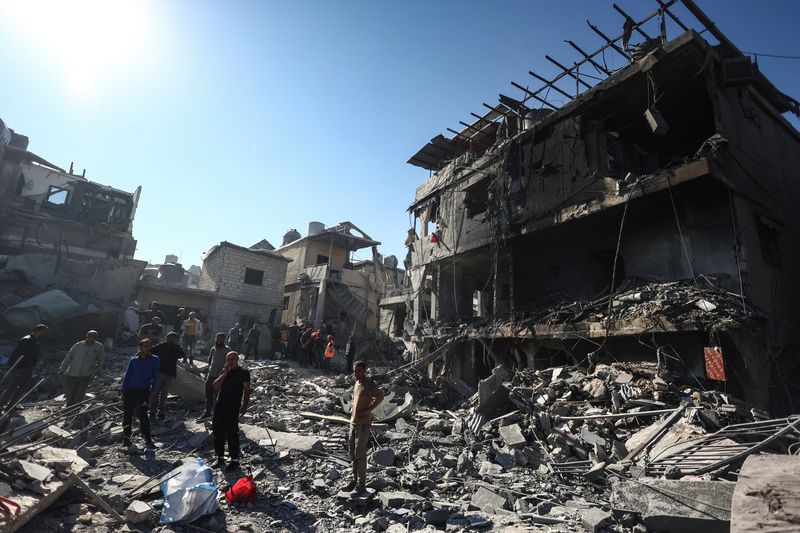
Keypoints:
pixel 25 355
pixel 168 354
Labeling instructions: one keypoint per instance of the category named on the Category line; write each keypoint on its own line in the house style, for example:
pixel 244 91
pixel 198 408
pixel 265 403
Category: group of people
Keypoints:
pixel 151 371
pixel 188 328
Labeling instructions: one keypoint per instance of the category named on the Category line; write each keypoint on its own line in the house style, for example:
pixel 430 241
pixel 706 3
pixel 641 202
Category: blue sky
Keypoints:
pixel 243 119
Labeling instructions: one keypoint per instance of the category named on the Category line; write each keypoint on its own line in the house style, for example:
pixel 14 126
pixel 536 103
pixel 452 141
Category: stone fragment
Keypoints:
pixel 34 471
pixel 381 523
pixel 506 460
pixel 51 432
pixel 489 469
pixel 595 519
pixel 591 438
pixel 138 512
pixel 398 499
pixel 595 388
pixel 333 474
pixel 487 501
pixel 383 457
pixel 437 517
pixel 512 436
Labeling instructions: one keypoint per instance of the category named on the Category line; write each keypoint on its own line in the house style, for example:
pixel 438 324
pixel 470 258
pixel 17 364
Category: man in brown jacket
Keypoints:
pixel 366 397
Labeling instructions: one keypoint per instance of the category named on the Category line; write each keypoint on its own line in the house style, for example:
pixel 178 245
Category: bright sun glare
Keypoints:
pixel 88 41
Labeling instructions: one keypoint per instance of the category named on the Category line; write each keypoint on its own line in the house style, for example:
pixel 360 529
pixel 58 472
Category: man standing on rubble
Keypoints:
pixel 235 335
pixel 366 397
pixel 216 362
pixel 82 362
pixel 191 330
pixel 168 354
pixel 233 385
pixel 25 355
pixel 153 331
pixel 306 344
pixel 350 352
pixel 140 378
pixel 252 342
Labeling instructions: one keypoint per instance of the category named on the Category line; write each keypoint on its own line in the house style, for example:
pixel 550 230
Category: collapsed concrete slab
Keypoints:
pixel 767 495
pixel 189 386
pixel 281 440
pixel 677 506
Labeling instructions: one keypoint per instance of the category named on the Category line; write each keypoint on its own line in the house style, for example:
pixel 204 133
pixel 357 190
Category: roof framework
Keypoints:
pixel 585 72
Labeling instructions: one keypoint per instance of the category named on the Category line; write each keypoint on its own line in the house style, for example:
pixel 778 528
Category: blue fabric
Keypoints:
pixel 142 373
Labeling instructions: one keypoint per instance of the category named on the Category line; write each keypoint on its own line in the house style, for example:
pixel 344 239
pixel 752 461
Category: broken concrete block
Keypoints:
pixel 489 469
pixel 512 436
pixel 690 505
pixel 596 388
pixel 591 438
pixel 380 524
pixel 52 432
pixel 595 519
pixel 383 457
pixel 34 471
pixel 487 501
pixel 138 512
pixel 398 499
pixel 437 517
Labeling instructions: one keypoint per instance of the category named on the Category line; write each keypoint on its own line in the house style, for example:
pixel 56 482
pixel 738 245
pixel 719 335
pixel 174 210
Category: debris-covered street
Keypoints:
pixel 580 314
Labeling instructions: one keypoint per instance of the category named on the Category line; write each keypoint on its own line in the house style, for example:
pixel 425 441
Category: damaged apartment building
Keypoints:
pixel 326 283
pixel 652 216
pixel 58 229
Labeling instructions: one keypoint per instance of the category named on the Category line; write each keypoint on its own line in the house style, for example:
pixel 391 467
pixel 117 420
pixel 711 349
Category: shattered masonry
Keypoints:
pixel 530 212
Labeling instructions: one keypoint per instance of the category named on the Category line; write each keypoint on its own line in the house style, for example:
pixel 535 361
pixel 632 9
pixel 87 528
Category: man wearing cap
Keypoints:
pixel 83 361
pixel 168 354
pixel 25 355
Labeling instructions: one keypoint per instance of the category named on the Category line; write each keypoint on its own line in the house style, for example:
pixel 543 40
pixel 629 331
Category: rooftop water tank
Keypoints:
pixel 171 272
pixel 315 228
pixel 171 258
pixel 390 261
pixel 533 116
pixel 291 236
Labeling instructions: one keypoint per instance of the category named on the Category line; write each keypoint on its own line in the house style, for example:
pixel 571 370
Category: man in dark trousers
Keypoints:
pixel 25 355
pixel 140 378
pixel 168 353
pixel 366 397
pixel 350 353
pixel 216 361
pixel 235 335
pixel 306 345
pixel 234 395
pixel 252 342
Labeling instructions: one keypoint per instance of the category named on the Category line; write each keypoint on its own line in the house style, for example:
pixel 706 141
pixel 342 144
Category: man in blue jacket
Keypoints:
pixel 140 378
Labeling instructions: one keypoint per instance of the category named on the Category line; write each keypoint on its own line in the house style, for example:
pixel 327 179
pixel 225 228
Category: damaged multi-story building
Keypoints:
pixel 326 283
pixel 58 229
pixel 653 216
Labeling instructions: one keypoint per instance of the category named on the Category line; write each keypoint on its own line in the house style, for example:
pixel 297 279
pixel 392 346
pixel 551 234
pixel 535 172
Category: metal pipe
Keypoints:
pixel 10 370
pixel 594 63
pixel 11 409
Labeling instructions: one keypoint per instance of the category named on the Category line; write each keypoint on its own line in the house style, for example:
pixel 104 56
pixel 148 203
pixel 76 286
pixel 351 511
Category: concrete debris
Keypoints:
pixel 138 512
pixel 555 355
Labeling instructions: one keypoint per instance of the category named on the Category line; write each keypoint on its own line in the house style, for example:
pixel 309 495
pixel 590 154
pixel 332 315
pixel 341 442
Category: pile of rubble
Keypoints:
pixel 620 447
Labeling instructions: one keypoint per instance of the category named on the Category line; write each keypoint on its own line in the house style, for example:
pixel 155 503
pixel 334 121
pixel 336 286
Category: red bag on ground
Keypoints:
pixel 243 491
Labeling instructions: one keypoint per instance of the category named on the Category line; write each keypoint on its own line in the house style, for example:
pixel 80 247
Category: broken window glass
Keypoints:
pixel 57 195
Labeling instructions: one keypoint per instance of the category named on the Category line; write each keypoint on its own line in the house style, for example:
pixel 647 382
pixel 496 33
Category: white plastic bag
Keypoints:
pixel 190 494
